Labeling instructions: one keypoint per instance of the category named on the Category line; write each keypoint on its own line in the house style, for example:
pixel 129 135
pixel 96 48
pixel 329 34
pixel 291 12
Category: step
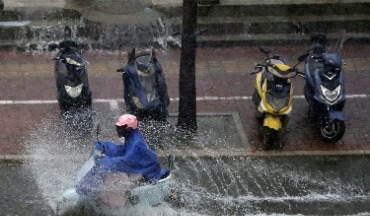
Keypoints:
pixel 30 14
pixel 273 39
pixel 232 22
pixel 229 23
pixel 271 8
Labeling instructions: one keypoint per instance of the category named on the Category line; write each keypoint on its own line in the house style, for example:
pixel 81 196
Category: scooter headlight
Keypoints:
pixel 73 62
pixel 331 95
pixel 73 91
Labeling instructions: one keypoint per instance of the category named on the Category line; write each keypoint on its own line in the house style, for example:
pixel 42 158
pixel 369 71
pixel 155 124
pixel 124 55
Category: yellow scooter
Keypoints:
pixel 273 95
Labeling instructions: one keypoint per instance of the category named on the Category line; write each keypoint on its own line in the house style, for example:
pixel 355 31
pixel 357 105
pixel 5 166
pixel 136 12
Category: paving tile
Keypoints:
pixel 222 75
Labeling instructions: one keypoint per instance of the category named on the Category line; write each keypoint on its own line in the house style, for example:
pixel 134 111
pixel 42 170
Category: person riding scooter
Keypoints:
pixel 133 159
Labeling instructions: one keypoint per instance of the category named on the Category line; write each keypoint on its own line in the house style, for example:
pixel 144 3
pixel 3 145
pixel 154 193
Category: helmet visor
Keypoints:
pixel 122 131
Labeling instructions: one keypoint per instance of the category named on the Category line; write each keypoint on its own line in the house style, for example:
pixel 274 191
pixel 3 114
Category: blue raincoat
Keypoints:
pixel 134 156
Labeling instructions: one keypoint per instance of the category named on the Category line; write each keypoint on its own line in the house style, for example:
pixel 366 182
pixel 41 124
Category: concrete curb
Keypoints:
pixel 174 3
pixel 195 153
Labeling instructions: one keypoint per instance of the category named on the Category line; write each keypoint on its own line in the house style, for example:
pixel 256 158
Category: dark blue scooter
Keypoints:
pixel 324 89
pixel 145 88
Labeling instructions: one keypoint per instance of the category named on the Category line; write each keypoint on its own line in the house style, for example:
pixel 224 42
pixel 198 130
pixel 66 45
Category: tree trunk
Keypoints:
pixel 187 104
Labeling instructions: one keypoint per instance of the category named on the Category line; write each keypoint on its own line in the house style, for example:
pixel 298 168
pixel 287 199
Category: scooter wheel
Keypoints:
pixel 176 200
pixel 331 132
pixel 81 208
pixel 269 138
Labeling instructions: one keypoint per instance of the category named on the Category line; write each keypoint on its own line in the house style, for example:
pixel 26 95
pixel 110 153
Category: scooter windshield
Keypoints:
pixel 142 84
pixel 278 94
pixel 282 71
pixel 74 75
pixel 72 65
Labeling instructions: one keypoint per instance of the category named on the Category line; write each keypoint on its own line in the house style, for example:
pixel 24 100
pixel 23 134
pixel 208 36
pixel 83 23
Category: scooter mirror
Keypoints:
pixel 265 50
pixel 52 47
pixel 98 129
pixel 171 161
pixel 303 57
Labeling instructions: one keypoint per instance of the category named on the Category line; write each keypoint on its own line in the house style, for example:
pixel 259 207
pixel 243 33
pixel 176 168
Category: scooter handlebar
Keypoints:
pixel 257 68
pixel 120 70
pixel 301 74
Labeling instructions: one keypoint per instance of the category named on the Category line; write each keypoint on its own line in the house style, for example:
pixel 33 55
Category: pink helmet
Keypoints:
pixel 127 119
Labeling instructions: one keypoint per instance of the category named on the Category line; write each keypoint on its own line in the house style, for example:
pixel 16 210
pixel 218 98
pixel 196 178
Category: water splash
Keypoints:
pixel 252 186
pixel 40 35
pixel 55 157
pixel 212 185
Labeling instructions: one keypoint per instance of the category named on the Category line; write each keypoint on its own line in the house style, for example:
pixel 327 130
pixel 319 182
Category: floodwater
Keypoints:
pixel 308 185
pixel 295 185
pixel 217 185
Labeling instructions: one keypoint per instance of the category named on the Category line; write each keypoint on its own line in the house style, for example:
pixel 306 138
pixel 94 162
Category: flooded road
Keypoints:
pixel 305 185
pixel 20 193
pixel 308 185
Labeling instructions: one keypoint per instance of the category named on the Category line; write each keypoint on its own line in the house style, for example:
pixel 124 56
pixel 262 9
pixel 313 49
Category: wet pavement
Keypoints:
pixel 296 185
pixel 20 193
pixel 216 185
pixel 28 94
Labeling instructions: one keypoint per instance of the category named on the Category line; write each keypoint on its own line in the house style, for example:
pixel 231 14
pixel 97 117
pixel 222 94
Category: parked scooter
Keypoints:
pixel 324 89
pixel 73 90
pixel 273 96
pixel 145 89
pixel 109 199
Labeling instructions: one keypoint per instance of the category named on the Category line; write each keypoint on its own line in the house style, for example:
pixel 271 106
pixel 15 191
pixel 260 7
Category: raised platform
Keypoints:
pixel 106 25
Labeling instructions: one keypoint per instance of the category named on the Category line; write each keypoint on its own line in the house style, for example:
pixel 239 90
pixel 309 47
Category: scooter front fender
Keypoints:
pixel 336 115
pixel 71 195
pixel 273 122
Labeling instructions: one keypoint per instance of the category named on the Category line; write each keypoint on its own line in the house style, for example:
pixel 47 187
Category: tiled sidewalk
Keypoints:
pixel 223 85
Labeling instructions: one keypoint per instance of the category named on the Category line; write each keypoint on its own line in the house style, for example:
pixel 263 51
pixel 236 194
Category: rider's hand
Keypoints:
pixel 100 147
pixel 98 154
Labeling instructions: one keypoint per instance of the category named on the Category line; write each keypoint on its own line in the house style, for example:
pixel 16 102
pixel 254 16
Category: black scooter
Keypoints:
pixel 73 91
pixel 145 89
pixel 324 89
